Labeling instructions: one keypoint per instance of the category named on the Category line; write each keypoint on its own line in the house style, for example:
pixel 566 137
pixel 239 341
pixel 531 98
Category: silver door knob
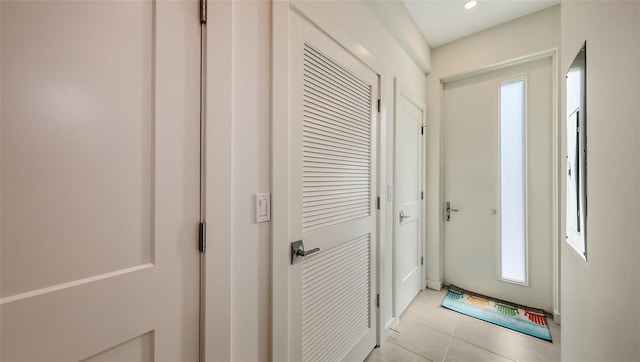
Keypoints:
pixel 403 216
pixel 301 252
pixel 298 253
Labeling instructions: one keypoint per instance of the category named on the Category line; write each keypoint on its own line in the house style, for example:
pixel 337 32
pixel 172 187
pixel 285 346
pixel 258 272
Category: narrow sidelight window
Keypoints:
pixel 513 256
pixel 576 157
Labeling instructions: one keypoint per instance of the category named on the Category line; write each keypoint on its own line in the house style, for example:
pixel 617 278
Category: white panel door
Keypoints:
pixel 472 184
pixel 100 180
pixel 332 166
pixel 408 201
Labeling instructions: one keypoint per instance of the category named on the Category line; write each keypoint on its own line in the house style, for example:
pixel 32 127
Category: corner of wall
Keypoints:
pixel 396 19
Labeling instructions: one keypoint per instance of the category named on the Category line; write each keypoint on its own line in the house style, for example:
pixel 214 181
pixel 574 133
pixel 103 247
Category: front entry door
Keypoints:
pixel 100 180
pixel 478 181
pixel 408 201
pixel 332 125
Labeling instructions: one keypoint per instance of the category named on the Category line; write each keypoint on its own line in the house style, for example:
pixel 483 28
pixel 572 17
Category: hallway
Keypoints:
pixel 429 332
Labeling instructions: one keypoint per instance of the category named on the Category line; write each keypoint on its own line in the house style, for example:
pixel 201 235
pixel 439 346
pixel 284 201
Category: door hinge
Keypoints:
pixel 379 106
pixel 378 202
pixel 378 300
pixel 422 260
pixel 421 129
pixel 203 11
pixel 202 242
pixel 421 195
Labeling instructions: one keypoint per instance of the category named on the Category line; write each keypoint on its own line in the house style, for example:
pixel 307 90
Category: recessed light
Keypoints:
pixel 470 4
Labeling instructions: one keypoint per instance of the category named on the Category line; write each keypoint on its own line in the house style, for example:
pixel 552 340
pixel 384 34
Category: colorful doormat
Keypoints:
pixel 529 321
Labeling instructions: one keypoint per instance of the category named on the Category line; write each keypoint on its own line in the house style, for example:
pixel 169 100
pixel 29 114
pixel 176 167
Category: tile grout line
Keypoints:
pixel 460 318
pixel 451 340
pixel 484 349
pixel 480 347
pixel 429 326
pixel 410 351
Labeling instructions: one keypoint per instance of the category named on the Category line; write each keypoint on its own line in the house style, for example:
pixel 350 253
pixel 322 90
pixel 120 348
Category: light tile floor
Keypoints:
pixel 429 332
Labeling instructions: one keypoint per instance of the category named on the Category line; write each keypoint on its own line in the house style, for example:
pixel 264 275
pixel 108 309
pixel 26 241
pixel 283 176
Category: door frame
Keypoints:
pixel 555 163
pixel 280 259
pixel 215 282
pixel 399 90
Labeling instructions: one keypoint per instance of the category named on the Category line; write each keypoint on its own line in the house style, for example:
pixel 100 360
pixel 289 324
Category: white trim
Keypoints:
pixel 326 25
pixel 392 323
pixel 434 284
pixel 74 283
pixel 381 169
pixel 280 181
pixel 408 36
pixel 216 277
pixel 399 90
pixel 556 183
pixel 500 65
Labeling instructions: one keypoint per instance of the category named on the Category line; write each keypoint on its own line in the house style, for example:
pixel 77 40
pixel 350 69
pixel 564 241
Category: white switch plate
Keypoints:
pixel 263 207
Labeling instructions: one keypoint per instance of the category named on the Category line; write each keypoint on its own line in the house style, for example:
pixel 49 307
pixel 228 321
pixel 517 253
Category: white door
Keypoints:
pixel 475 233
pixel 100 180
pixel 332 125
pixel 408 201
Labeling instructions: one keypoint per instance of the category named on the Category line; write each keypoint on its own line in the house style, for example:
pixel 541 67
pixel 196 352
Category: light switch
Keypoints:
pixel 263 207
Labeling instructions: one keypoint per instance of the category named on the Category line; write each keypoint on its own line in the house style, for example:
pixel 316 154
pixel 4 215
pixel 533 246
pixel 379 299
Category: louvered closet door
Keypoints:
pixel 332 168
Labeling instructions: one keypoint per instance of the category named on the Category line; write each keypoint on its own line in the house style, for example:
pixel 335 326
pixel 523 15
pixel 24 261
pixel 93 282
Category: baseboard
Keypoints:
pixel 556 317
pixel 392 323
pixel 432 284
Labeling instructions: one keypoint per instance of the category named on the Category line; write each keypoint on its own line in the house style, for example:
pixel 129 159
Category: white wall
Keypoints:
pixel 531 34
pixel 251 160
pixel 601 298
pixel 237 287
pixel 239 159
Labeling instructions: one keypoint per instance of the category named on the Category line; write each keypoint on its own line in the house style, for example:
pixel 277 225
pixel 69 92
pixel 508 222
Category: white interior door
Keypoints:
pixel 100 180
pixel 332 165
pixel 472 185
pixel 408 201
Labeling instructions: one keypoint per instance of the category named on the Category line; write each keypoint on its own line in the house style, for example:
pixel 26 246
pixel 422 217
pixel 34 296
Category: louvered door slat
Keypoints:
pixel 321 204
pixel 323 105
pixel 333 195
pixel 355 101
pixel 322 158
pixel 335 263
pixel 328 214
pixel 327 144
pixel 312 112
pixel 333 67
pixel 335 74
pixel 331 104
pixel 314 106
pixel 331 325
pixel 335 126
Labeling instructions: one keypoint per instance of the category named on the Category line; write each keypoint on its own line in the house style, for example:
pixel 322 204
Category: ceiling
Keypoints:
pixel 442 21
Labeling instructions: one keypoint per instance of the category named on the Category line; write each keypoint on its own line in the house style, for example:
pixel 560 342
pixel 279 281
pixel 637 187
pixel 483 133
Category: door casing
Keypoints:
pixel 280 322
pixel 401 91
pixel 555 164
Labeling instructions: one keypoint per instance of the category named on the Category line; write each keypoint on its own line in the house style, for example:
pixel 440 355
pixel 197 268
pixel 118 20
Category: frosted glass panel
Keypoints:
pixel 512 181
